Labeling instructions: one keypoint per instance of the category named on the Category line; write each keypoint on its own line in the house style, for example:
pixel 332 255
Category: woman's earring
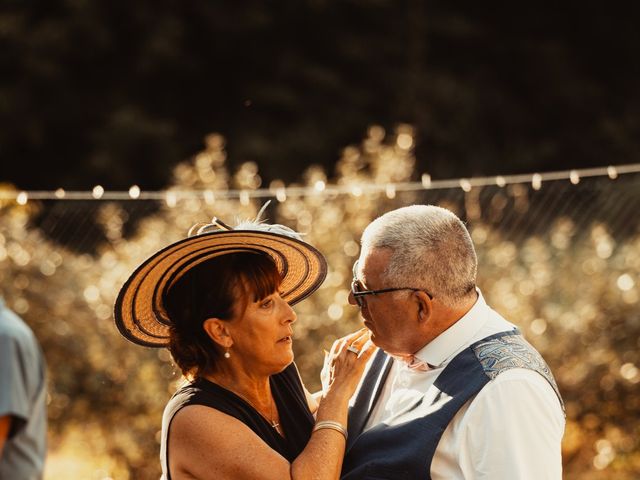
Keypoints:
pixel 227 354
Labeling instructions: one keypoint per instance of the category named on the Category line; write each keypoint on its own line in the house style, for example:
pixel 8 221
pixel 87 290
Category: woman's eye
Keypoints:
pixel 266 303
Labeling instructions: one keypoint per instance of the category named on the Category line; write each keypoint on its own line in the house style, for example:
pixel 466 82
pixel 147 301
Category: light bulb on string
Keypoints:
pixel 97 192
pixel 171 199
pixel 22 198
pixel 574 177
pixel 390 190
pixel 426 180
pixel 536 181
pixel 134 191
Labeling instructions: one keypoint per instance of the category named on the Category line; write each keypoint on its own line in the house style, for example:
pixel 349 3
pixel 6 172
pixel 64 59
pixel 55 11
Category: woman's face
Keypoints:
pixel 262 334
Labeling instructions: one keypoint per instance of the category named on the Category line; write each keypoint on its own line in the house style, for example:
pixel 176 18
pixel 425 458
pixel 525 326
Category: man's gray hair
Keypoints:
pixel 431 250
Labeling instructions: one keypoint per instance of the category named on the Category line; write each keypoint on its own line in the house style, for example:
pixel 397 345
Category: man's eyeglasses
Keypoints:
pixel 358 291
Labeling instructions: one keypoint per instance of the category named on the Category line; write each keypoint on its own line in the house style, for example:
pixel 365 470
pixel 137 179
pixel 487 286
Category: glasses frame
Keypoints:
pixel 359 294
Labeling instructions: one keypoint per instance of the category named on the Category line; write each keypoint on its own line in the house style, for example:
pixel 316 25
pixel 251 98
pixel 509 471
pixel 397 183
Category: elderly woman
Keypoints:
pixel 220 300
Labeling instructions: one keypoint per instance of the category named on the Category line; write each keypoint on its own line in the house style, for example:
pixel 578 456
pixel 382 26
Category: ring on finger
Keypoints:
pixel 353 349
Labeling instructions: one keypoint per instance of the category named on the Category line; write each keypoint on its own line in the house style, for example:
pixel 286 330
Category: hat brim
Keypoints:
pixel 139 310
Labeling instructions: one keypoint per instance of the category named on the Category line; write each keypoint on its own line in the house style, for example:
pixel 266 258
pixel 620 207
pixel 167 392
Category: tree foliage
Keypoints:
pixel 570 280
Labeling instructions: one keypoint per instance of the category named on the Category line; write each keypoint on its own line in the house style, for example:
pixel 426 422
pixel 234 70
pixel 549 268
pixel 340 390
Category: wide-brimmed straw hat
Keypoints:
pixel 139 312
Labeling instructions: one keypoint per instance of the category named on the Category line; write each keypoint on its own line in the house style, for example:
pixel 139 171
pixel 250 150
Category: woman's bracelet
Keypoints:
pixel 332 426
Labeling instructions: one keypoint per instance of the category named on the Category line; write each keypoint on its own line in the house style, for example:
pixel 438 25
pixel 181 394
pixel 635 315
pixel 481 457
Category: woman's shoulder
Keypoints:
pixel 199 392
pixel 195 415
pixel 189 393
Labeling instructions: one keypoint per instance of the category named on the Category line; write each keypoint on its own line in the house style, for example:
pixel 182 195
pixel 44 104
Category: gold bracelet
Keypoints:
pixel 332 426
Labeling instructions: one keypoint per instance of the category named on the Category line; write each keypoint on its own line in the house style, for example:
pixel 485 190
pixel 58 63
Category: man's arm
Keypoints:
pixel 5 426
pixel 513 429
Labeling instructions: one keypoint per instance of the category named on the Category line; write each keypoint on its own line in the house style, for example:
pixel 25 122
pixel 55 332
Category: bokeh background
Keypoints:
pixel 338 112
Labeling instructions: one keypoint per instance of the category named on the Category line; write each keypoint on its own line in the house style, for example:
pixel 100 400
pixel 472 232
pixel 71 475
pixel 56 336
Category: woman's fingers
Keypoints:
pixel 350 363
pixel 358 341
pixel 348 346
pixel 347 358
pixel 353 349
pixel 366 352
pixel 340 344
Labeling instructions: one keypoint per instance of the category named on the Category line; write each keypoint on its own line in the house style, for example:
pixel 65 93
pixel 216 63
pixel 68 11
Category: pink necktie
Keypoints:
pixel 414 363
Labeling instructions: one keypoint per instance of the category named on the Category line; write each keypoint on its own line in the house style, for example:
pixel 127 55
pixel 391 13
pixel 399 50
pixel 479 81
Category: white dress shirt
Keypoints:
pixel 512 429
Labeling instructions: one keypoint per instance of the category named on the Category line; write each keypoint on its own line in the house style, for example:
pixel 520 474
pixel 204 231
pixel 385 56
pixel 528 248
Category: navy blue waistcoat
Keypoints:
pixel 405 451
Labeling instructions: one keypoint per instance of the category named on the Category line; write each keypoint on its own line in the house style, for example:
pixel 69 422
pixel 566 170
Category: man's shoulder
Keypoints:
pixel 505 351
pixel 510 352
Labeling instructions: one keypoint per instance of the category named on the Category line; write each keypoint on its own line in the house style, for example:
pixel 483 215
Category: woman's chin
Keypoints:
pixel 284 354
pixel 290 356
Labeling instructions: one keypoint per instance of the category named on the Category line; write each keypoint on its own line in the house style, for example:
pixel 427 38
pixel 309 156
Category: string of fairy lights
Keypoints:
pixel 281 192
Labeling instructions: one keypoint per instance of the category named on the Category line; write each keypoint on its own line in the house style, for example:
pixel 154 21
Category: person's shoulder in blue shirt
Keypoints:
pixel 23 420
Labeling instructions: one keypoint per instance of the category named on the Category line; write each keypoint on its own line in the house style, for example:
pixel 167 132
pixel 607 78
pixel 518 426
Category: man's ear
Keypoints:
pixel 218 331
pixel 425 308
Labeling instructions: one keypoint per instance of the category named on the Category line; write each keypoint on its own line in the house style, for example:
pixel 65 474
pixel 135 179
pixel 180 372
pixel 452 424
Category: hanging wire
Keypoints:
pixel 282 192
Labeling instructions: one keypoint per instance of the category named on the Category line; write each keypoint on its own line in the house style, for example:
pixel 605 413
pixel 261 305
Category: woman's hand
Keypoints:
pixel 346 361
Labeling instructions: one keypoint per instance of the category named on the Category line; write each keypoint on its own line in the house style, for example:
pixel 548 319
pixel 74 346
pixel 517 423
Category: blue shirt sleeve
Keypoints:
pixel 14 395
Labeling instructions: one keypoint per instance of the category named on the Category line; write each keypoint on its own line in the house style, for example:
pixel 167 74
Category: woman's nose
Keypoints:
pixel 289 314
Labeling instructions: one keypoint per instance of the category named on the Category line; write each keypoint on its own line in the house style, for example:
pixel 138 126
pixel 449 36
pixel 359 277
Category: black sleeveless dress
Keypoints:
pixel 295 418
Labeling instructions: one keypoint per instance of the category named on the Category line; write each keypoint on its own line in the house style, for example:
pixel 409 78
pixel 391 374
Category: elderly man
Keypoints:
pixel 455 392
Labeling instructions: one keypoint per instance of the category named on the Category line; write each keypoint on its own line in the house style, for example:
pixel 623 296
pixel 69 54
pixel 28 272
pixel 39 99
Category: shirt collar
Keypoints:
pixel 457 336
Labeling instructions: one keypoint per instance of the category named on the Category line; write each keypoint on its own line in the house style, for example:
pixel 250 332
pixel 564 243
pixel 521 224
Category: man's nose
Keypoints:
pixel 352 300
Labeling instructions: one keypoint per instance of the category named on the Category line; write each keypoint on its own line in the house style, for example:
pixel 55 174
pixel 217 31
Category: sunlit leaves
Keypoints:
pixel 571 284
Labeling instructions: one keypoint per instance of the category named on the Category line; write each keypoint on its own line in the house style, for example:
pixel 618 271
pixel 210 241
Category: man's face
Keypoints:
pixel 388 315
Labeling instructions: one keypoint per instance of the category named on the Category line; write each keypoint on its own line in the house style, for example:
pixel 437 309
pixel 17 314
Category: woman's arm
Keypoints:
pixel 205 443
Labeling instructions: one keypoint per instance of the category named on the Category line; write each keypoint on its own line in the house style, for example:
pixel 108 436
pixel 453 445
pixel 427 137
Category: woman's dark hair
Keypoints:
pixel 220 288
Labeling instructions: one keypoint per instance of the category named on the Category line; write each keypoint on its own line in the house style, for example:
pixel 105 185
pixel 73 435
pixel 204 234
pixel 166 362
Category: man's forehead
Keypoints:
pixel 373 262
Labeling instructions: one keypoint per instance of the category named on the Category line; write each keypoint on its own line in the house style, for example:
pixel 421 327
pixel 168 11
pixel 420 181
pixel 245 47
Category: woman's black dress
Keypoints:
pixel 295 418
